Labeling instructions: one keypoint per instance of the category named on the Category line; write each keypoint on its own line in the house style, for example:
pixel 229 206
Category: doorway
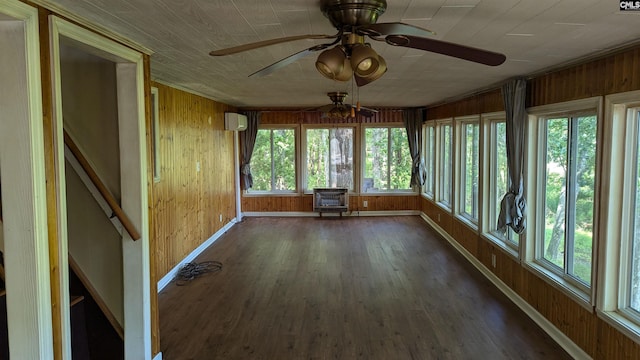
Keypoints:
pixel 108 123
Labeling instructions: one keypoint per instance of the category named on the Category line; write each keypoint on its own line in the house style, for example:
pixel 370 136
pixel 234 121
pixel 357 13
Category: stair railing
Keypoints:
pixel 101 187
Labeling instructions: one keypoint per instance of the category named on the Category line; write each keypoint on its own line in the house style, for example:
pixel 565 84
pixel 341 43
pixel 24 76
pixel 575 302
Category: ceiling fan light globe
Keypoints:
pixel 364 60
pixel 330 62
pixel 346 73
pixel 364 80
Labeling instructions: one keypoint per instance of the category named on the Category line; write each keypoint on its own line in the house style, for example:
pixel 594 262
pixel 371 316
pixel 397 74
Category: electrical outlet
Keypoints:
pixel 365 203
pixel 493 260
pixel 197 166
pixel 220 217
pixel 438 217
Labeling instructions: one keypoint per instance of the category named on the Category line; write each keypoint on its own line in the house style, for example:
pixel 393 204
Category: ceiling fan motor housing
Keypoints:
pixel 350 13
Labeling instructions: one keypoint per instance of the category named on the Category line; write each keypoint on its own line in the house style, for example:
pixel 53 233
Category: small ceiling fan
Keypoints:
pixel 338 109
pixel 351 56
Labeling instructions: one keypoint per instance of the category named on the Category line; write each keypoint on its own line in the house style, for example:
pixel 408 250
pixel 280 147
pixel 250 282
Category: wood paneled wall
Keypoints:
pixel 614 74
pixel 186 204
pixel 490 101
pixel 304 203
pixel 287 117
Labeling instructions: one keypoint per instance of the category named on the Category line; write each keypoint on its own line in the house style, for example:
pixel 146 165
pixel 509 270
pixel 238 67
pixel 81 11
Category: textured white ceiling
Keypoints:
pixel 533 34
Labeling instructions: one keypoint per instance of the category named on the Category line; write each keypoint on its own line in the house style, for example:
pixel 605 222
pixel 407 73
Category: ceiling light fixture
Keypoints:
pixel 351 59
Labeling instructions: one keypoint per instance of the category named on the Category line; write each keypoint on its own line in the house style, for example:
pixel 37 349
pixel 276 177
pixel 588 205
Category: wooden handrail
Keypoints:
pixel 106 194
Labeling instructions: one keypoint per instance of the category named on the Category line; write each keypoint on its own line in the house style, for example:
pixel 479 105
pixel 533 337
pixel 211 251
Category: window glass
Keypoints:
pixel 387 159
pixel 329 158
pixel 569 194
pixel 430 159
pixel 446 164
pixel 634 285
pixel 273 162
pixel 469 169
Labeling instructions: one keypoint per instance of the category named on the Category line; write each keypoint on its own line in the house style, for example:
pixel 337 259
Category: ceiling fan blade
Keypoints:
pixel 446 48
pixel 395 28
pixel 288 60
pixel 259 44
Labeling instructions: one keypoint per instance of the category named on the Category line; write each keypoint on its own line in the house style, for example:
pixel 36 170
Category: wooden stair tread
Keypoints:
pixel 76 299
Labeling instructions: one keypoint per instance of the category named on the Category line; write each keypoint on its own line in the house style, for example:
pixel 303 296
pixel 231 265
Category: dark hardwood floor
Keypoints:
pixel 350 288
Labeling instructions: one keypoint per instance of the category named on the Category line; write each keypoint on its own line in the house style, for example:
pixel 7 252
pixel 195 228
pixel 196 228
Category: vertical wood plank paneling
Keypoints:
pixel 304 203
pixel 51 185
pixel 155 319
pixel 187 203
pixel 489 101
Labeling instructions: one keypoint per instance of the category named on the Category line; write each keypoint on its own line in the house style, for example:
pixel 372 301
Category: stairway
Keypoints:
pixel 92 336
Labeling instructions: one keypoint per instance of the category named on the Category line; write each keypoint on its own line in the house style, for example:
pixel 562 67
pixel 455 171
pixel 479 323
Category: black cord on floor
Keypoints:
pixel 191 271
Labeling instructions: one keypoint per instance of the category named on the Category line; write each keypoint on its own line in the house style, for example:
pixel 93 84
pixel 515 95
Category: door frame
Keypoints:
pixel 133 169
pixel 22 162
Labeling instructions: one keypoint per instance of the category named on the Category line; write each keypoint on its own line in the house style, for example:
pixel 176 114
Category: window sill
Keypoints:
pixel 621 323
pixel 467 221
pixel 427 196
pixel 572 291
pixel 267 193
pixel 389 193
pixel 506 247
pixel 444 206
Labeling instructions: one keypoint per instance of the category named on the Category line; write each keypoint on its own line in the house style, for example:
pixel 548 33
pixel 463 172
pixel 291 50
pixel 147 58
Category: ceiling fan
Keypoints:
pixel 338 109
pixel 351 56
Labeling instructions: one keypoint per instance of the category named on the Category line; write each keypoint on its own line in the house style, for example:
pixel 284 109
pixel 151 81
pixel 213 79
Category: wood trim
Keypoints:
pixel 76 300
pixel 96 296
pixel 155 315
pixel 102 188
pixel 31 329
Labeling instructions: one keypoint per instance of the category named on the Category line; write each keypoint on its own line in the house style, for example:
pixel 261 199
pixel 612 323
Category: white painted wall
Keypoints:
pixel 90 111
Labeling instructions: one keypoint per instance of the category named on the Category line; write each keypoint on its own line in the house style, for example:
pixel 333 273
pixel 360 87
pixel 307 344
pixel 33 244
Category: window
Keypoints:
pixel 273 163
pixel 631 265
pixel 619 287
pixel 329 157
pixel 496 167
pixel 469 169
pixel 445 131
pixel 563 218
pixel 387 161
pixel 429 154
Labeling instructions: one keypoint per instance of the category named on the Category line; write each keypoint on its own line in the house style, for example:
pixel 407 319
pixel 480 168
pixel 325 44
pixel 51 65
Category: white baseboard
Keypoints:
pixel 172 273
pixel 329 214
pixel 563 340
pixel 158 356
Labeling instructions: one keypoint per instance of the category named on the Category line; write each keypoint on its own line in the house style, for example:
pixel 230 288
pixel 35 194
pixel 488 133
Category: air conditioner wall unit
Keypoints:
pixel 235 121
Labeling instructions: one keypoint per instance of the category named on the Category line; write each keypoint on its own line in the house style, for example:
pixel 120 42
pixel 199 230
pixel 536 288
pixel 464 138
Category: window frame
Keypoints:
pixel 459 163
pixel 535 156
pixel 440 183
pixel 488 126
pixel 363 156
pixel 429 193
pixel 303 176
pixel 296 132
pixel 612 305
